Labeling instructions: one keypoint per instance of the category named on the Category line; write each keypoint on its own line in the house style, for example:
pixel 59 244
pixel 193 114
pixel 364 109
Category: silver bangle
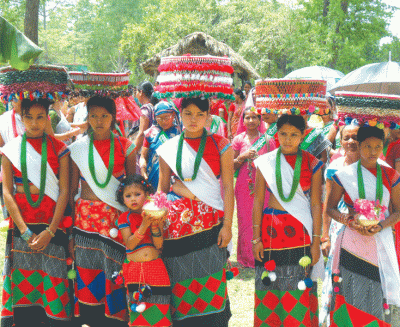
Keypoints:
pixel 27 235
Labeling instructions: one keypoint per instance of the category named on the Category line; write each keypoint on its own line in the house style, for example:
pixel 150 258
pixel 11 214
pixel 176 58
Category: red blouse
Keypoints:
pixel 216 145
pixel 133 221
pixel 309 166
pixel 55 151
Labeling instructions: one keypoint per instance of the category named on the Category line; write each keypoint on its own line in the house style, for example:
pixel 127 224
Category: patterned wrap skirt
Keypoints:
pixel 285 241
pixel 97 258
pixel 154 274
pixel 33 279
pixel 196 265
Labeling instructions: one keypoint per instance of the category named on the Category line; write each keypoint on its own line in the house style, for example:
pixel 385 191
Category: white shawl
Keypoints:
pixel 299 207
pixel 206 186
pixel 387 260
pixel 12 150
pixel 80 155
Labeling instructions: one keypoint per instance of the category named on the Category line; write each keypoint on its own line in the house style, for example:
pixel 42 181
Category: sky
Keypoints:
pixel 395 22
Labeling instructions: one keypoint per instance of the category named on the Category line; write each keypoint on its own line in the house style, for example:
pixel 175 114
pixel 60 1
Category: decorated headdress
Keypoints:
pixel 369 109
pixel 36 82
pixel 291 96
pixel 113 85
pixel 195 76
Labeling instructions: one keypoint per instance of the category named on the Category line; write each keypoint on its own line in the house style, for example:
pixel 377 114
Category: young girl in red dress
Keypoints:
pixel 143 266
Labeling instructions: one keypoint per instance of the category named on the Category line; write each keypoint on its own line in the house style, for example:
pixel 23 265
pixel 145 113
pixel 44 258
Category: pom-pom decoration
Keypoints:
pixel 305 261
pixel 264 274
pixel 146 291
pixel 308 282
pixel 266 281
pixel 229 275
pixel 113 232
pixel 133 307
pixel 141 307
pixel 272 276
pixel 119 280
pixel 67 222
pixel 235 271
pixel 337 279
pixel 137 296
pixel 387 312
pixel 270 265
pixel 301 285
pixel 336 289
pixel 71 274
pixel 69 261
pixel 386 306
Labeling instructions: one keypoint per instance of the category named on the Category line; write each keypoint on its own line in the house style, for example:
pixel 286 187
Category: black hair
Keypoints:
pixel 147 88
pixel 248 109
pixel 366 132
pixel 342 129
pixel 134 179
pixel 26 104
pixel 247 82
pixel 294 120
pixel 240 93
pixel 104 102
pixel 202 104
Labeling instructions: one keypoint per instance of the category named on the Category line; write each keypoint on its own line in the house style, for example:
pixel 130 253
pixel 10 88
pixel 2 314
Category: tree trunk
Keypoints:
pixel 31 20
pixel 326 8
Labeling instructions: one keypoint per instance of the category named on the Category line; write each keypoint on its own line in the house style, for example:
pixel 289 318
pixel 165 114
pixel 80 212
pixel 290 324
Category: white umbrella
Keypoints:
pixel 383 78
pixel 331 76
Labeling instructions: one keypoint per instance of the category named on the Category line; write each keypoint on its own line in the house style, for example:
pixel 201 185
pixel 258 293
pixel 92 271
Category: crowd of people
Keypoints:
pixel 311 177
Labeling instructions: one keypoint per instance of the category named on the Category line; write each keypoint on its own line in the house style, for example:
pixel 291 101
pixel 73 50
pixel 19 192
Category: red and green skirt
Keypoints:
pixel 97 258
pixel 154 274
pixel 281 303
pixel 196 265
pixel 35 281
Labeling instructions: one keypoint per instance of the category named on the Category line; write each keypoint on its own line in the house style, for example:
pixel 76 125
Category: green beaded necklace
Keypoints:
pixel 110 162
pixel 296 177
pixel 43 170
pixel 379 183
pixel 197 161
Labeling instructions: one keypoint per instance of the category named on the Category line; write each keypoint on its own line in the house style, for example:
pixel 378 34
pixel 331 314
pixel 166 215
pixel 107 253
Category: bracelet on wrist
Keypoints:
pixel 138 235
pixel 50 232
pixel 255 226
pixel 380 224
pixel 27 235
pixel 315 235
pixel 158 234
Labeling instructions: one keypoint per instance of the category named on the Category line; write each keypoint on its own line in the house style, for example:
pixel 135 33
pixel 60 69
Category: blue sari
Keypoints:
pixel 154 138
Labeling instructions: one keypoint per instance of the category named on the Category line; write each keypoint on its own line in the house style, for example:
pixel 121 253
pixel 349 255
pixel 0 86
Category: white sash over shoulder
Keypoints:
pixel 12 150
pixel 299 207
pixel 387 260
pixel 80 155
pixel 206 186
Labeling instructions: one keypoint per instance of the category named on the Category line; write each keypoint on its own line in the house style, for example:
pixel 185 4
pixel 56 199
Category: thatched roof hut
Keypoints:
pixel 199 43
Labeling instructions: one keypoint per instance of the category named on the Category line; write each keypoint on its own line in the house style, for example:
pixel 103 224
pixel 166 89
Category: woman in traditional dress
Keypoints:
pixel 270 124
pixel 167 126
pixel 99 161
pixel 199 223
pixel 287 233
pixel 35 188
pixel 235 113
pixel 331 228
pixel 247 146
pixel 365 256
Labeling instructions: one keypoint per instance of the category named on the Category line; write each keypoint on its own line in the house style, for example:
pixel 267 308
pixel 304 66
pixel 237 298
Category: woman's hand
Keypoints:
pixel 224 237
pixel 315 252
pixel 249 154
pixel 71 248
pixel 40 242
pixel 258 251
pixel 372 230
pixel 326 247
